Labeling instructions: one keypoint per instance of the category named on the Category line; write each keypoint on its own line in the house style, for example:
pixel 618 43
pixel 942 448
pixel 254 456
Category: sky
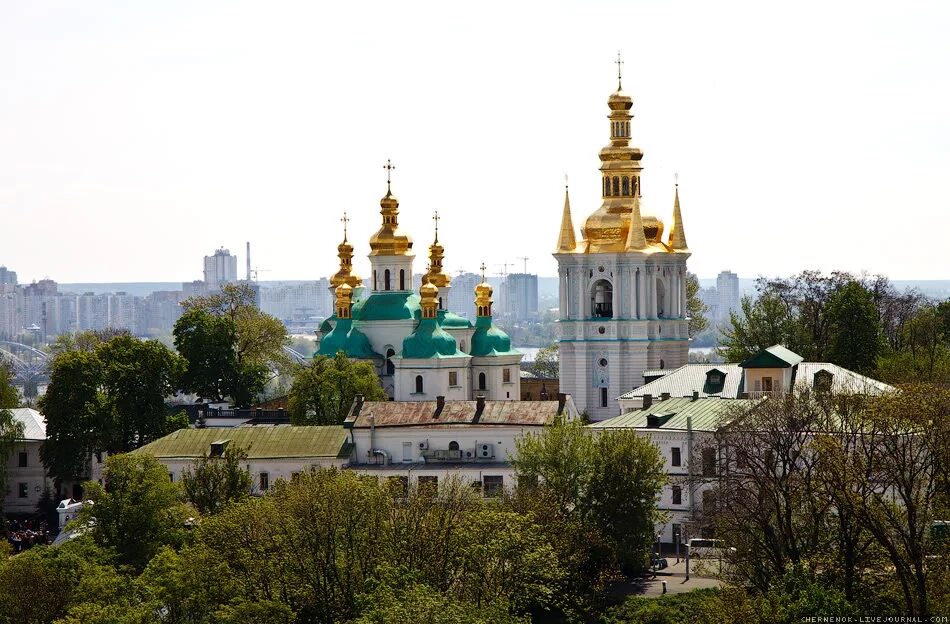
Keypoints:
pixel 137 137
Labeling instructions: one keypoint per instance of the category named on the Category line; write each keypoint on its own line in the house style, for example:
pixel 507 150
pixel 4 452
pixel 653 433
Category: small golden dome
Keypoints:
pixel 483 290
pixel 619 100
pixel 344 291
pixel 428 290
pixel 389 240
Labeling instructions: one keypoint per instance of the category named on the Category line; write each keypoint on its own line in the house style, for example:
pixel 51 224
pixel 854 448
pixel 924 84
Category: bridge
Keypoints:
pixel 30 365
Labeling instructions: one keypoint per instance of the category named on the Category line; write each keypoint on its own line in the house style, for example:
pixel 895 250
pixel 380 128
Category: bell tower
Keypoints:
pixel 622 287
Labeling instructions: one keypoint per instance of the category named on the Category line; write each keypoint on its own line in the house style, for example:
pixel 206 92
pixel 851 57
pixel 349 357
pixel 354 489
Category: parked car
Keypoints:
pixel 703 548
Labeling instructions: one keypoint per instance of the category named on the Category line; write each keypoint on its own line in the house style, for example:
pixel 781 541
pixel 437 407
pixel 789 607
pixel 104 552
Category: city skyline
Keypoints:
pixel 129 128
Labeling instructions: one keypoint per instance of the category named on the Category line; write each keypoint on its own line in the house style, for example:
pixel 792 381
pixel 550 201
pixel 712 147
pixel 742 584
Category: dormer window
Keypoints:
pixel 715 381
pixel 823 381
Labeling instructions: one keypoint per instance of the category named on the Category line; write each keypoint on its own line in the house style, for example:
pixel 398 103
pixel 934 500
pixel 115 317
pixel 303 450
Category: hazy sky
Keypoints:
pixel 136 137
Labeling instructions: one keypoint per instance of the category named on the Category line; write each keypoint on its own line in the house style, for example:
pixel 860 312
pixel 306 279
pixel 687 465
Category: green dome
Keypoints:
pixel 450 319
pixel 429 340
pixel 387 306
pixel 349 340
pixel 488 340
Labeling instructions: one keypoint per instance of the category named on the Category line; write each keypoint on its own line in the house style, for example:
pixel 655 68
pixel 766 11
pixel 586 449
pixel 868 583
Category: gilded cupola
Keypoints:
pixel 344 301
pixel 389 240
pixel 436 273
pixel 428 299
pixel 345 251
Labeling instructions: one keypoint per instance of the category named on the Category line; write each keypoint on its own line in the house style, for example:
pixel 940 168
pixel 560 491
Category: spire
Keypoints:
pixel 677 238
pixel 436 275
pixel 619 62
pixel 345 252
pixel 389 240
pixel 566 241
pixel 636 240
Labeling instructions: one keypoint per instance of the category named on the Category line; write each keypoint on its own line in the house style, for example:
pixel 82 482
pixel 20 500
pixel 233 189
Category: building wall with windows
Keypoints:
pixel 26 476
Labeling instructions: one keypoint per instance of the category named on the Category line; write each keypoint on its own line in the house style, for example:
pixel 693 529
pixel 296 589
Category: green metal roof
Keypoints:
pixel 489 341
pixel 387 306
pixel 450 319
pixel 775 356
pixel 327 325
pixel 706 414
pixel 261 442
pixel 349 340
pixel 428 340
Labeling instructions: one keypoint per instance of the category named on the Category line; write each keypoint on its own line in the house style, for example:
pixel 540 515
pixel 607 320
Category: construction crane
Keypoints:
pixel 254 273
pixel 525 259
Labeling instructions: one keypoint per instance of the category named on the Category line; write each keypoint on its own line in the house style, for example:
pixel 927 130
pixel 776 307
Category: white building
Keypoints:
pixel 220 268
pixel 26 476
pixel 273 452
pixel 622 286
pixel 427 441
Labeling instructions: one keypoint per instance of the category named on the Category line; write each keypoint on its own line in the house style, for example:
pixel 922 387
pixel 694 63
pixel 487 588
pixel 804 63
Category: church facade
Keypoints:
pixel 420 349
pixel 622 285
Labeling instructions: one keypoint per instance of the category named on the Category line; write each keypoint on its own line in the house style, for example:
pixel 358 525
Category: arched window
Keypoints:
pixel 419 389
pixel 626 186
pixel 453 445
pixel 481 381
pixel 386 280
pixel 390 367
pixel 440 303
pixel 602 300
pixel 660 298
pixel 374 280
pixel 627 128
pixel 607 187
pixel 616 186
pixel 662 364
pixel 402 279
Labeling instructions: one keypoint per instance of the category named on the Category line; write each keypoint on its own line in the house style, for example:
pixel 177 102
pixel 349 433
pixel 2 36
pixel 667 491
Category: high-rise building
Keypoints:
pixel 220 268
pixel 461 299
pixel 727 285
pixel 622 286
pixel 7 278
pixel 521 296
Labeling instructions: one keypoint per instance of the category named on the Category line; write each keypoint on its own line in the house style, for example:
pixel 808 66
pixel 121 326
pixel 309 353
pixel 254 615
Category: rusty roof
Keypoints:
pixel 426 413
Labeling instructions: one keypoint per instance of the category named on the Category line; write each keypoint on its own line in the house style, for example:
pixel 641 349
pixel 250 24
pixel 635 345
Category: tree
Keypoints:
pixel 546 363
pixel 695 308
pixel 323 391
pixel 229 345
pixel 214 482
pixel 421 603
pixel 9 397
pixel 764 322
pixel 855 335
pixel 137 510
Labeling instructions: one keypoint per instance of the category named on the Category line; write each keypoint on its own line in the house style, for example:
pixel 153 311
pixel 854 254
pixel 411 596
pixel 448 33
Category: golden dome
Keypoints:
pixel 428 291
pixel 619 100
pixel 389 240
pixel 344 291
pixel 345 275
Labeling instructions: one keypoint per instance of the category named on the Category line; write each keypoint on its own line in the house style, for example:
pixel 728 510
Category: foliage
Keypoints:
pixel 214 482
pixel 421 603
pixel 229 345
pixel 695 308
pixel 323 392
pixel 9 397
pixel 762 322
pixel 856 334
pixel 137 511
pixel 546 363
pixel 107 395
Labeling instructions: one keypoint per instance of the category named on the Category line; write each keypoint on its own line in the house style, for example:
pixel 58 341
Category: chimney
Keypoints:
pixel 358 404
pixel 439 406
pixel 695 395
pixel 647 401
pixel 479 407
pixel 561 400
pixel 664 396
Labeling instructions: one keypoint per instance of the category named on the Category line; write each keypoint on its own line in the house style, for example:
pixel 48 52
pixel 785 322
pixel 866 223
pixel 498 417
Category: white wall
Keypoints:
pixel 275 468
pixel 33 476
pixel 391 439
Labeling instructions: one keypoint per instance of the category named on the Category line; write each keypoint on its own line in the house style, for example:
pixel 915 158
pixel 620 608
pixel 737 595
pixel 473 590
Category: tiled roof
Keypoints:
pixel 682 381
pixel 34 424
pixel 425 413
pixel 261 442
pixel 706 414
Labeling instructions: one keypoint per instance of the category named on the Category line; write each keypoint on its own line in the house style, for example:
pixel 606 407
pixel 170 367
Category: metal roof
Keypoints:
pixel 706 414
pixel 776 355
pixel 426 413
pixel 34 423
pixel 261 442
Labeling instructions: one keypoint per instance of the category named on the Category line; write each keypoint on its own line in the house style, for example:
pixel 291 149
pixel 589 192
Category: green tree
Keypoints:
pixel 856 334
pixel 214 482
pixel 695 308
pixel 546 362
pixel 137 511
pixel 763 322
pixel 9 397
pixel 323 391
pixel 421 603
pixel 230 345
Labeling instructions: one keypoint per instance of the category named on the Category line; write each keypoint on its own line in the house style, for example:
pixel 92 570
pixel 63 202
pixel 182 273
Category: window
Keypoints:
pixel 375 286
pixel 823 381
pixel 263 481
pixel 603 397
pixel 493 485
pixel 386 279
pixel 616 186
pixel 453 378
pixel 171 477
pixel 709 462
pixel 481 381
pixel 677 495
pixel 607 187
pixel 23 459
pixel 398 486
pixel 402 279
pixel 626 186
pixel 675 459
pixel 766 384
pixel 506 375
pixel 419 388
pixel 390 367
pixel 602 300
pixel 22 490
pixel 407 451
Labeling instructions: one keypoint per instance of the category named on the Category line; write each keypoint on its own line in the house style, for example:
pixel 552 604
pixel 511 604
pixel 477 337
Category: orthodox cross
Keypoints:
pixel 344 221
pixel 676 179
pixel 483 267
pixel 619 62
pixel 436 217
pixel 565 181
pixel 389 166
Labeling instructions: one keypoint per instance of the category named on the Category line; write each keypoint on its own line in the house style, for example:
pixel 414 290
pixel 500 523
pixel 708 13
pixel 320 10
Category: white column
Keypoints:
pixel 653 294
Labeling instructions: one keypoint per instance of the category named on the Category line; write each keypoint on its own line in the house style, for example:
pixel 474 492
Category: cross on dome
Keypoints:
pixel 389 166
pixel 436 217
pixel 344 221
pixel 619 62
